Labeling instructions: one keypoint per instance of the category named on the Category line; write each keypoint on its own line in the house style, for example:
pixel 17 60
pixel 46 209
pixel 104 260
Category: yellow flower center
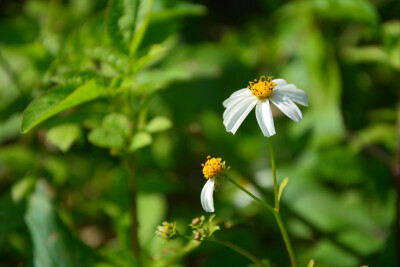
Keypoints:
pixel 212 168
pixel 263 88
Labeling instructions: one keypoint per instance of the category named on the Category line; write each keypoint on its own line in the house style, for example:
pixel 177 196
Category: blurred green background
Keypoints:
pixel 161 70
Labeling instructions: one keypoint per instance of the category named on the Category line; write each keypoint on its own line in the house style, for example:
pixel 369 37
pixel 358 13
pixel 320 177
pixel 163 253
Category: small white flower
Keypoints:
pixel 206 196
pixel 214 169
pixel 260 94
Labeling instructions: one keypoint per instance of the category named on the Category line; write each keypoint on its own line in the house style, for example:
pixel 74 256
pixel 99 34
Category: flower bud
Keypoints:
pixel 166 231
pixel 197 222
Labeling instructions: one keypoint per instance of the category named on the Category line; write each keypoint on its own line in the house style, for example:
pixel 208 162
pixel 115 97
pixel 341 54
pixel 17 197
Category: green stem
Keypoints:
pixel 285 238
pixel 278 220
pixel 276 212
pixel 261 202
pixel 272 154
pixel 133 209
pixel 238 249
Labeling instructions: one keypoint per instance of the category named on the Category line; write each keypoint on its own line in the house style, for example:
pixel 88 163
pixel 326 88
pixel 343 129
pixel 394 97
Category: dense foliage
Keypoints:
pixel 95 94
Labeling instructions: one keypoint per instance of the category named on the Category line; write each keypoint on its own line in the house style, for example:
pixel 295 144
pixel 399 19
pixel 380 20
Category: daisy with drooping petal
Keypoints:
pixel 260 94
pixel 213 171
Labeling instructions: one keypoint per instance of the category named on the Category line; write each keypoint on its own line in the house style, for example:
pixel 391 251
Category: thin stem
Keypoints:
pixel 272 155
pixel 276 211
pixel 285 238
pixel 317 233
pixel 133 209
pixel 263 203
pixel 239 250
pixel 278 220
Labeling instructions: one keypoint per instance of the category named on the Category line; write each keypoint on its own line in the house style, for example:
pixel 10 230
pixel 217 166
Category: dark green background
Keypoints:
pixel 71 207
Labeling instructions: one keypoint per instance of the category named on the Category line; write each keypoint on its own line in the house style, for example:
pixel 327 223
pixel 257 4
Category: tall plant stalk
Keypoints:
pixel 275 209
pixel 272 155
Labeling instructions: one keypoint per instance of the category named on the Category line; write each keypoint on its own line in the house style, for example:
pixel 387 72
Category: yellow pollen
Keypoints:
pixel 212 168
pixel 263 88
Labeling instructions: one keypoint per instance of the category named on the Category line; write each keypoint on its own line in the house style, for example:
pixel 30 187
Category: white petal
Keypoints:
pixel 235 103
pixel 238 93
pixel 295 94
pixel 206 196
pixel 264 118
pixel 279 82
pixel 238 114
pixel 287 106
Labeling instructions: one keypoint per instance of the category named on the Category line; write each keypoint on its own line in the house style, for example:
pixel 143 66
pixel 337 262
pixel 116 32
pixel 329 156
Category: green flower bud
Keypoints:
pixel 166 231
pixel 197 222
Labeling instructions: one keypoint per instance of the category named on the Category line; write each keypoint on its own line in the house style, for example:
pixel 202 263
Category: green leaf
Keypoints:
pixel 10 128
pixel 140 140
pixel 58 99
pixel 142 21
pixel 281 187
pixel 158 124
pixel 20 189
pixel 117 121
pixel 126 22
pixel 311 263
pixel 63 136
pixel 355 10
pixel 111 56
pixel 178 11
pixel 112 133
pixel 366 54
pixel 148 221
pixel 78 77
pixel 376 134
pixel 156 79
pixel 155 53
pixel 113 14
pixel 53 244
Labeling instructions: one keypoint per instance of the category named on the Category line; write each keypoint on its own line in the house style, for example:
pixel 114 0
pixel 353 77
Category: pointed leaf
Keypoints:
pixel 155 53
pixel 281 187
pixel 180 10
pixel 142 21
pixel 58 99
pixel 127 21
pixel 311 263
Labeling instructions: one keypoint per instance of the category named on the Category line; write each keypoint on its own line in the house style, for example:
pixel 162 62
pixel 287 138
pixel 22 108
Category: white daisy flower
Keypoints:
pixel 213 171
pixel 260 94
